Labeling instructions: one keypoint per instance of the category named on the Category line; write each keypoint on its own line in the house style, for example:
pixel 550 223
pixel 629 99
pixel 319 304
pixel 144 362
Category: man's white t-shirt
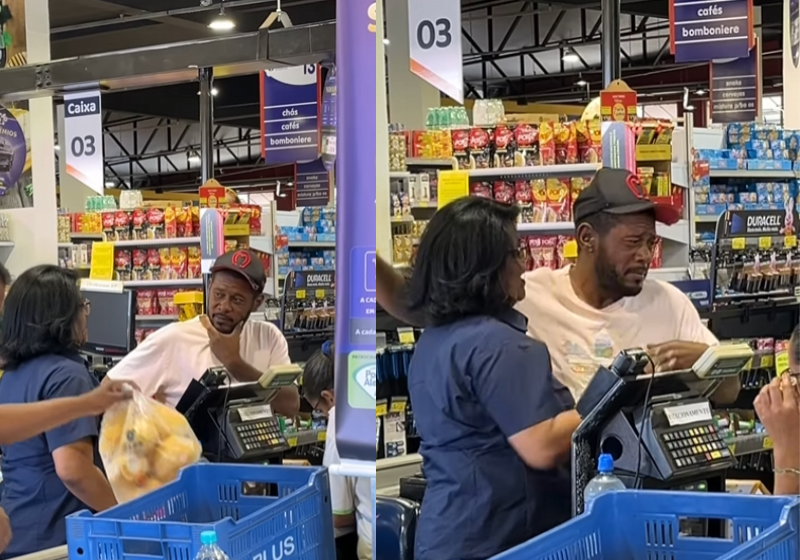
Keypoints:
pixel 175 354
pixel 348 494
pixel 581 338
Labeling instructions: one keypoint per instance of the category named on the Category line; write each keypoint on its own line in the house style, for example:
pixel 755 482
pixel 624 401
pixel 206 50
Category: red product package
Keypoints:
pixel 535 250
pixel 481 189
pixel 504 146
pixel 558 207
pixel 179 257
pixel 539 197
pixel 139 336
pixel 146 302
pixel 480 148
pixel 123 265
pixel 139 223
pixel 122 225
pixel 549 250
pixel 503 192
pixel 153 264
pixel 109 231
pixel 523 193
pixel 155 224
pixel 566 143
pixel 165 264
pixel 166 300
pixel 657 260
pixel 194 262
pixel 139 258
pixel 461 148
pixel 526 138
pixel 524 253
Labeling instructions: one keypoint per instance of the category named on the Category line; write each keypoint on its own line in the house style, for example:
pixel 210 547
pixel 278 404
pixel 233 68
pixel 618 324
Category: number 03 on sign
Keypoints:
pixel 434 32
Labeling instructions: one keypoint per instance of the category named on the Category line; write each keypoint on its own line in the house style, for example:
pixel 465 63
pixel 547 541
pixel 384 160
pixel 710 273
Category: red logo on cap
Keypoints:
pixel 241 259
pixel 635 186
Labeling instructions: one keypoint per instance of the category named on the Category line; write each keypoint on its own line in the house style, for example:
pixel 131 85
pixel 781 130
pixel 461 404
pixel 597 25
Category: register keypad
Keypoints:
pixel 695 446
pixel 257 436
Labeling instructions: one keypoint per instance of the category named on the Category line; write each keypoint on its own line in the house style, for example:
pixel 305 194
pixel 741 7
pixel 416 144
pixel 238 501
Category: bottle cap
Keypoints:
pixel 208 537
pixel 605 464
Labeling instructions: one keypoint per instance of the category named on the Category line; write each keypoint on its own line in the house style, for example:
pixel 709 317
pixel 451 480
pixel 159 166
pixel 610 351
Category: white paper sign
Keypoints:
pixel 83 145
pixel 688 414
pixel 434 33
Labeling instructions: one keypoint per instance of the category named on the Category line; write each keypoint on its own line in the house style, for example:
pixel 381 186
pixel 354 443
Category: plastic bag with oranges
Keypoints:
pixel 143 445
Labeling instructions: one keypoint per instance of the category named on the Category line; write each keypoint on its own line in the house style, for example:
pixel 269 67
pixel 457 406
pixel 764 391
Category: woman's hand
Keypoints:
pixel 107 395
pixel 5 530
pixel 778 407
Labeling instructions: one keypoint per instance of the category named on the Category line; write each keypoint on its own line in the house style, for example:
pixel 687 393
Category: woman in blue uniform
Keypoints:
pixel 49 476
pixel 494 423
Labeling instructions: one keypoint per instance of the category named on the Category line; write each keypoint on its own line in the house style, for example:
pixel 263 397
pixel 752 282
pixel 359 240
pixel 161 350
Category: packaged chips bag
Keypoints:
pixel 143 445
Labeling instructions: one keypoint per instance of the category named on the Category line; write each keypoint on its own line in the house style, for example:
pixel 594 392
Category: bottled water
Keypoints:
pixel 210 550
pixel 605 481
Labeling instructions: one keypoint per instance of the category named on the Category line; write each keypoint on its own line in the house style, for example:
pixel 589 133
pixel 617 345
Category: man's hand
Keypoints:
pixel 676 355
pixel 778 407
pixel 107 395
pixel 224 346
pixel 5 530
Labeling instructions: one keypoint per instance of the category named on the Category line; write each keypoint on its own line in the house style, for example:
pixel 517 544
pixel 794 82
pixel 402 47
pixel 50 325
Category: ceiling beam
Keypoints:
pixel 123 13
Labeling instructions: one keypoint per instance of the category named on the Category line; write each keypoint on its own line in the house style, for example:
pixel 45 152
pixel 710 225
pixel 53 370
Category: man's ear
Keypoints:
pixel 328 396
pixel 586 237
pixel 257 303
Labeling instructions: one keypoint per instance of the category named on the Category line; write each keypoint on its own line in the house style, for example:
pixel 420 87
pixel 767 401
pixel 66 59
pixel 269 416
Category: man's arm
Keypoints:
pixel 391 294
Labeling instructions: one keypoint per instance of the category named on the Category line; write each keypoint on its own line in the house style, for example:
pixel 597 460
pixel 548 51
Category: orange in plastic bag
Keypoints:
pixel 144 444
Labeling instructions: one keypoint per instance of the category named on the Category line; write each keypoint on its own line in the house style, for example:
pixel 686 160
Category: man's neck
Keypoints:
pixel 586 287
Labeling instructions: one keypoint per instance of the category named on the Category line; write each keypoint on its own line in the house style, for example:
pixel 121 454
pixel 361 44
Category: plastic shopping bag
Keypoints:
pixel 143 445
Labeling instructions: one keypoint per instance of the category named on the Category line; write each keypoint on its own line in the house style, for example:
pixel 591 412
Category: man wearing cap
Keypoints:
pixel 588 312
pixel 166 362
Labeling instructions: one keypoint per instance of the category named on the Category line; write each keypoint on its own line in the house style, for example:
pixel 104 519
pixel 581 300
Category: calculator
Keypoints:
pixel 700 446
pixel 253 432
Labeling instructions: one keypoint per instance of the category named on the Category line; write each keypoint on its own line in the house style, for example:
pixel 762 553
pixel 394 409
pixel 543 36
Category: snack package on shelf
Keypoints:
pixel 143 445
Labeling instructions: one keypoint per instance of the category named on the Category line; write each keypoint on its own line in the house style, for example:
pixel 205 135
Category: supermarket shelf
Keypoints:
pixel 86 236
pixel 752 174
pixel 678 233
pixel 422 162
pixel 156 318
pixel 159 283
pixel 550 228
pixel 399 175
pixel 6 244
pixel 158 242
pixel 669 274
pixel 390 471
pixel 752 443
pixel 706 219
pixel 571 170
pixel 262 243
pixel 312 244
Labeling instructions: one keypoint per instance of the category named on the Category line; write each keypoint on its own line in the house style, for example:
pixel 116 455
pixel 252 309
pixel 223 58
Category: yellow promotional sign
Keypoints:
pixel 102 261
pixel 452 186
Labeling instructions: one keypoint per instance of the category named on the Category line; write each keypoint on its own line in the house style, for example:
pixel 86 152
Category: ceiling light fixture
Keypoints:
pixel 223 22
pixel 214 91
pixel 570 55
pixel 194 157
pixel 110 184
pixel 701 91
pixel 581 83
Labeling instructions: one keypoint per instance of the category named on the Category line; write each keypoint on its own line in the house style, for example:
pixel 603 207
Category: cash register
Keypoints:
pixel 234 421
pixel 658 427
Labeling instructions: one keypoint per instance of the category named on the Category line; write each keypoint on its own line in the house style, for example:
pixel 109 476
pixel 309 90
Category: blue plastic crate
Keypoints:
pixel 297 524
pixel 642 525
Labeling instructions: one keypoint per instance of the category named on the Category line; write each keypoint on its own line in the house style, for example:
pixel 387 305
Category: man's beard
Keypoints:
pixel 608 279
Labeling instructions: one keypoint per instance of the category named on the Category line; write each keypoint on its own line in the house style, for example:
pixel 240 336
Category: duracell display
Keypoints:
pixel 308 302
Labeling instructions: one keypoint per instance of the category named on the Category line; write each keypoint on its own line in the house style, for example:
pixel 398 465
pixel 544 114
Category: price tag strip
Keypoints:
pixel 434 33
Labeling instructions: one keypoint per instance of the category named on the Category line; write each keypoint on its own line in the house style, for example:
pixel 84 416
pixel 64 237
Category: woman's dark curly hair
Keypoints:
pixel 318 372
pixel 39 315
pixel 459 266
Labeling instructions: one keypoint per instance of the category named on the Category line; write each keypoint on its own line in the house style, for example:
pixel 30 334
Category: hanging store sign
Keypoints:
pixel 328 143
pixel 290 107
pixel 83 142
pixel 357 38
pixel 434 33
pixel 702 31
pixel 312 184
pixel 13 150
pixel 734 89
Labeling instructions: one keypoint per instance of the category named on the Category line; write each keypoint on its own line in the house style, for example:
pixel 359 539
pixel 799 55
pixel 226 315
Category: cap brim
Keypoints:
pixel 223 268
pixel 665 214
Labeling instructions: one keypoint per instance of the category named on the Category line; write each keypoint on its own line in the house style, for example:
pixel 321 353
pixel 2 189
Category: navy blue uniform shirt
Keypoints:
pixel 473 384
pixel 34 498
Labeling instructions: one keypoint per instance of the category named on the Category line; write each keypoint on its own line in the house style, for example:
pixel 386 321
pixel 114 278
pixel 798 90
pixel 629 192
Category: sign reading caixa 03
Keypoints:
pixel 83 142
pixel 762 223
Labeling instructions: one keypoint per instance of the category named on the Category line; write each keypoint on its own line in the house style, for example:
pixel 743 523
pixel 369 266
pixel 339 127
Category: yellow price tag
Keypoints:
pixel 782 362
pixel 320 294
pixel 301 294
pixel 452 186
pixel 764 242
pixel 102 261
pixel 381 409
pixel 790 241
pixel 399 406
pixel 322 435
pixel 292 441
pixel 738 243
pixel 768 442
pixel 406 337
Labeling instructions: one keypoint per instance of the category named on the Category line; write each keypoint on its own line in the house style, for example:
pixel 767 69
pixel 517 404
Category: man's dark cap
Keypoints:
pixel 619 192
pixel 244 262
